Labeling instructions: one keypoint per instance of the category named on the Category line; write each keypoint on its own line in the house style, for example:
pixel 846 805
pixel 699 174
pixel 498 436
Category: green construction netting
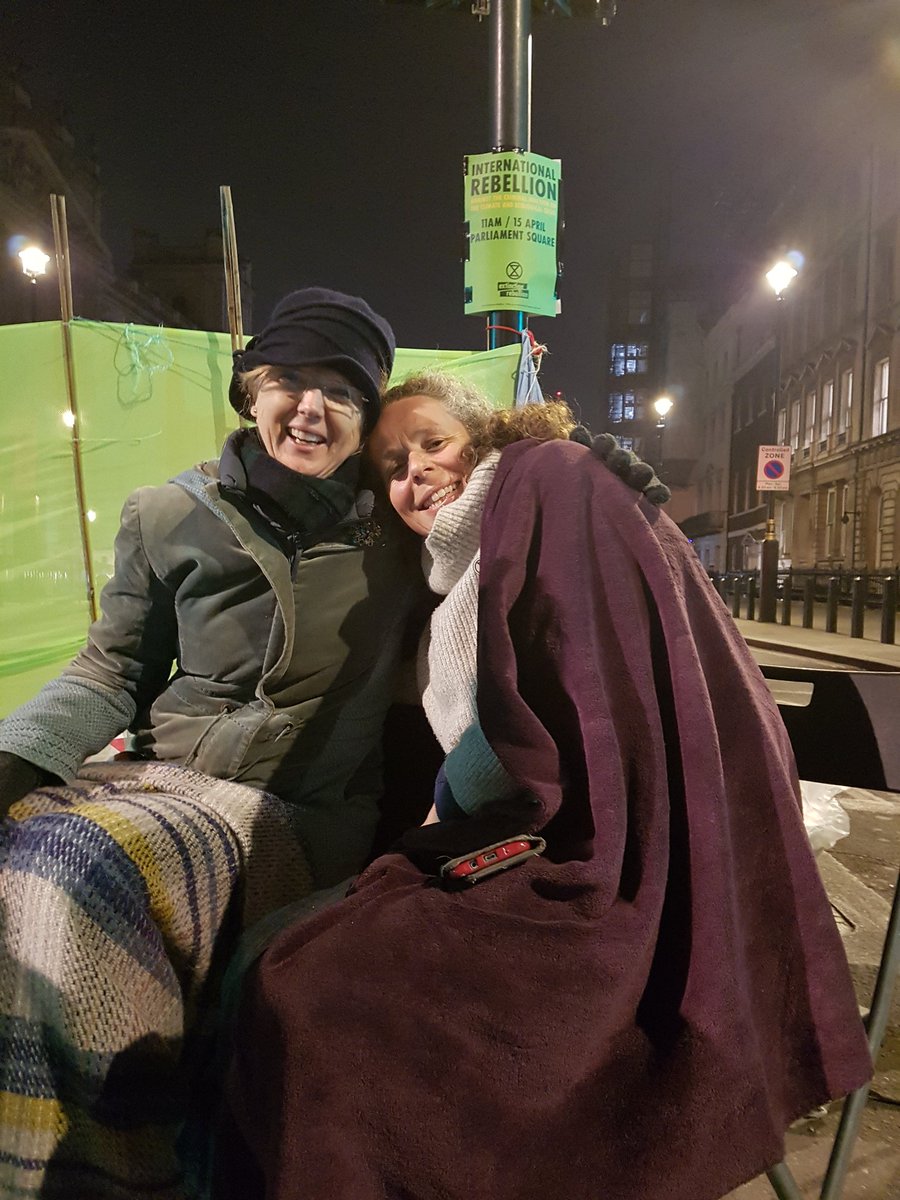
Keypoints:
pixel 150 403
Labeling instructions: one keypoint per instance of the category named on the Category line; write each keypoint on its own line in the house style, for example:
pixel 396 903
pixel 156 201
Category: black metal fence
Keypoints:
pixel 819 599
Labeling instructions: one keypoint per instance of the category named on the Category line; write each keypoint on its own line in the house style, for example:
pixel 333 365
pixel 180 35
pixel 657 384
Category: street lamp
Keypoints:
pixel 779 277
pixel 662 406
pixel 34 264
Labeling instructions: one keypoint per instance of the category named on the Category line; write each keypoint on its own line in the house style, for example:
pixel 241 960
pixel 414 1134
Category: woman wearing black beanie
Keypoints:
pixel 247 641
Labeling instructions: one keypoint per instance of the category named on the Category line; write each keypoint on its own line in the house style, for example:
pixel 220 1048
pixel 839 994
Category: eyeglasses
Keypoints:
pixel 343 397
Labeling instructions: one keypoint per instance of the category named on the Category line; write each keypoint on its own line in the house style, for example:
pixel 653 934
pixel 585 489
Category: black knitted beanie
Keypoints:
pixel 316 326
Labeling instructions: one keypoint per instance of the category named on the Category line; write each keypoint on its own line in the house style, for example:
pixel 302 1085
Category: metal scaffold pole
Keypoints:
pixel 64 275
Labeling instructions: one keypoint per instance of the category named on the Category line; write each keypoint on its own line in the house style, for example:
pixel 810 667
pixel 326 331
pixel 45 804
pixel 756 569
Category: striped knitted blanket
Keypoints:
pixel 121 898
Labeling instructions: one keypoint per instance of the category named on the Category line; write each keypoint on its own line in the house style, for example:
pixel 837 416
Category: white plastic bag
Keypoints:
pixel 824 816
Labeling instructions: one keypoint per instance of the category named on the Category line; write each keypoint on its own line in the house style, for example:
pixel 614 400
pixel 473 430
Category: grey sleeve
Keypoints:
pixel 65 722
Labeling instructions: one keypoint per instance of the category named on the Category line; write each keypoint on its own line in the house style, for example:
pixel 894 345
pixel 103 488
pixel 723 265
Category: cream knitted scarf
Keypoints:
pixel 447 666
pixel 453 541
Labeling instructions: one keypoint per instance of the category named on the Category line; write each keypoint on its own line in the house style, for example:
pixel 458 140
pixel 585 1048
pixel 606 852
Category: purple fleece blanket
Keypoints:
pixel 636 1015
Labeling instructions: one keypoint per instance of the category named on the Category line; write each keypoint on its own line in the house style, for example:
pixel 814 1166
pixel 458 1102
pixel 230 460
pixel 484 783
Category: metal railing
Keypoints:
pixel 815 598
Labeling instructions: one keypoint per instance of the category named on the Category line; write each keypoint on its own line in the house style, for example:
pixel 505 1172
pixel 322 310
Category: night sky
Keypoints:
pixel 341 126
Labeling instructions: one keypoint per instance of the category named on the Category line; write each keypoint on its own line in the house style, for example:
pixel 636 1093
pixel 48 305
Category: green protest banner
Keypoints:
pixel 152 401
pixel 512 223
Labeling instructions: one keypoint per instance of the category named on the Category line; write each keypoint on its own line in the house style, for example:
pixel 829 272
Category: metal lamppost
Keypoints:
pixel 511 117
pixel 779 278
pixel 34 264
pixel 662 406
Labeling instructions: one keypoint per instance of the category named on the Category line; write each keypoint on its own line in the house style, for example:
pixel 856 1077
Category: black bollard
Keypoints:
pixel 858 606
pixel 737 596
pixel 751 598
pixel 889 610
pixel 809 601
pixel 768 578
pixel 831 604
pixel 786 601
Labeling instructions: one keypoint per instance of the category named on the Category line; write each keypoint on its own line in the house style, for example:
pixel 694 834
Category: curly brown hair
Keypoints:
pixel 488 427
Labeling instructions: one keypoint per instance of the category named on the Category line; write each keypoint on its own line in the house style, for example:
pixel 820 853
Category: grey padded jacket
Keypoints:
pixel 283 665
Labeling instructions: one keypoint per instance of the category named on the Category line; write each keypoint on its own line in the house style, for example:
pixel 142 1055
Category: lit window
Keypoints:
pixel 845 401
pixel 795 425
pixel 626 443
pixel 881 530
pixel 827 406
pixel 782 425
pixel 880 397
pixel 625 406
pixel 809 429
pixel 629 359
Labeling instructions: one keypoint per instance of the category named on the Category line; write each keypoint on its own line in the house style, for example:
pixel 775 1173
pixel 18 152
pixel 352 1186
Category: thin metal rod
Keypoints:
pixel 876 1025
pixel 783 1183
pixel 232 270
pixel 511 80
pixel 768 566
pixel 64 275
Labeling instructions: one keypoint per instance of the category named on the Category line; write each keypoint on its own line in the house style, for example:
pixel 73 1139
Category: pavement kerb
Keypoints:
pixel 861 653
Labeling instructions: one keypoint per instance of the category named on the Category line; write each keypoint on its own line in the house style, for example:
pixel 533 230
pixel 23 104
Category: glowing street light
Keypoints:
pixel 34 265
pixel 662 406
pixel 34 262
pixel 780 276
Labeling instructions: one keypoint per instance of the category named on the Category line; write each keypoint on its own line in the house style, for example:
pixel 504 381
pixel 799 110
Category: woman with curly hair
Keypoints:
pixel 640 1008
pixel 436 446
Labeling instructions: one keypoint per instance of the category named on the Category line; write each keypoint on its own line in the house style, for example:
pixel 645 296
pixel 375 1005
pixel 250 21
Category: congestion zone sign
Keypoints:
pixel 773 469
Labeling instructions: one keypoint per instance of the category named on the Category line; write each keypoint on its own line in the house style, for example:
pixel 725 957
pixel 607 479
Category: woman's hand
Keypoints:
pixel 624 463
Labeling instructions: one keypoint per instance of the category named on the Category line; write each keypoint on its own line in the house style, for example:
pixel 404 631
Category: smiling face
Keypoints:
pixel 309 418
pixel 423 454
